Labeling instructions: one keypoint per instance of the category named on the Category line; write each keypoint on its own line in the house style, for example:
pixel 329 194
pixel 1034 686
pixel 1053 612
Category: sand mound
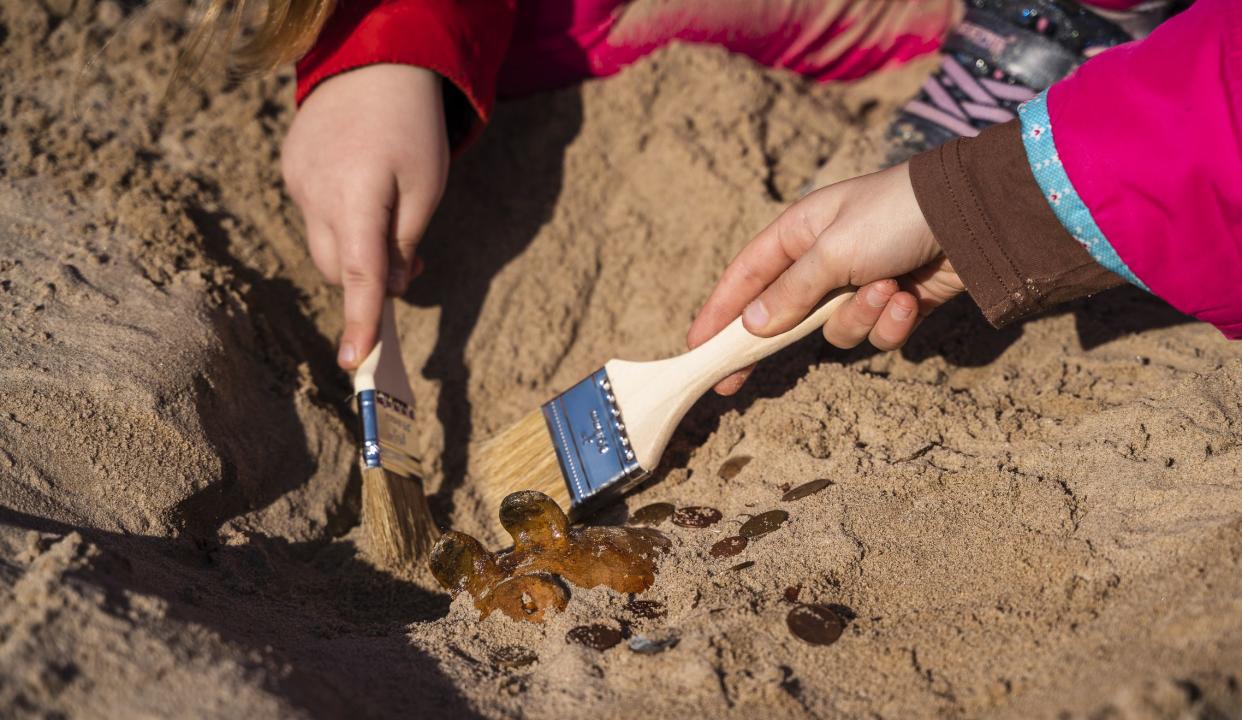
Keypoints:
pixel 1027 522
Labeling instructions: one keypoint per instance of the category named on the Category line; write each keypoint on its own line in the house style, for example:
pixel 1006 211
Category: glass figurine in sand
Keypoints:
pixel 529 580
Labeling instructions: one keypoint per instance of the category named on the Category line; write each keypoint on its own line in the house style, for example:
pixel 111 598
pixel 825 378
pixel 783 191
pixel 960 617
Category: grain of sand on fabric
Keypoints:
pixel 1041 520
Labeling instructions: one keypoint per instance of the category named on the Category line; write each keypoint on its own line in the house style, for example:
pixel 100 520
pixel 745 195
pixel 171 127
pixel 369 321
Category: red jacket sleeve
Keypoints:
pixel 465 41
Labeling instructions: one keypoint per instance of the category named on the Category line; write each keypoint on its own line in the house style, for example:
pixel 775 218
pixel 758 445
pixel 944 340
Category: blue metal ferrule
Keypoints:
pixel 591 442
pixel 370 429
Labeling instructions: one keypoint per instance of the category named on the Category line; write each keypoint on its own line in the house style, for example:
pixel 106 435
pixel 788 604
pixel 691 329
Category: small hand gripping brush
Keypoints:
pixel 395 517
pixel 606 434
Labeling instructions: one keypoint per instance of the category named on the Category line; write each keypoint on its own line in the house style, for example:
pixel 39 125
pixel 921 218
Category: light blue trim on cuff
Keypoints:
pixel 1041 153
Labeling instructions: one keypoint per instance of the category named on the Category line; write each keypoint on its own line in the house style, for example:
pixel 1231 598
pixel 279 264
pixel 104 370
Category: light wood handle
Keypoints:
pixel 654 396
pixel 735 347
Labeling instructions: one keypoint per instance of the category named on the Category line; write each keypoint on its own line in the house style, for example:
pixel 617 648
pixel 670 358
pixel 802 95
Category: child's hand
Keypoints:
pixel 366 160
pixel 864 232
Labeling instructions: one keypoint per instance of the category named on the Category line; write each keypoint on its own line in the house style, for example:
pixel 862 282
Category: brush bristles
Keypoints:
pixel 399 528
pixel 521 457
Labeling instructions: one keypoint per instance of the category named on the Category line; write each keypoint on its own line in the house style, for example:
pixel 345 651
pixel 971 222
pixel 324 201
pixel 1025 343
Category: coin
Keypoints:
pixel 513 656
pixel 652 514
pixel 731 467
pixel 696 517
pixel 729 547
pixel 763 523
pixel 809 488
pixel 815 624
pixel 599 637
pixel 646 608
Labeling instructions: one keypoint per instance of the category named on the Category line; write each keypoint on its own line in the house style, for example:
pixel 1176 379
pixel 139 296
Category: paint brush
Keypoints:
pixel 607 433
pixel 396 520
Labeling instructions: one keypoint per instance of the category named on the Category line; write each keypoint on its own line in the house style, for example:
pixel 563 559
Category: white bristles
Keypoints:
pixel 399 528
pixel 522 457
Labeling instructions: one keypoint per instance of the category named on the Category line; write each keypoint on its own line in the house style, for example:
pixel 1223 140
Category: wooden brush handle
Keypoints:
pixel 654 396
pixel 735 347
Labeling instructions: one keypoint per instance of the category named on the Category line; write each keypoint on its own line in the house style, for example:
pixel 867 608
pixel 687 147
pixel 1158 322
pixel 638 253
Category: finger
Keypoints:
pixel 322 246
pixel 895 324
pixel 762 261
pixel 364 270
pixel 850 325
pixel 410 221
pixel 820 269
pixel 934 285
pixel 734 382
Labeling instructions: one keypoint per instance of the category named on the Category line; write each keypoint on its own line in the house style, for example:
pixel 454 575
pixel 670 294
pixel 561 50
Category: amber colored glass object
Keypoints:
pixel 529 580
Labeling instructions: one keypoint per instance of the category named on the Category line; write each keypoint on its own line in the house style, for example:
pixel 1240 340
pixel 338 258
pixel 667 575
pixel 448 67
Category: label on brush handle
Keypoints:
pixel 591 442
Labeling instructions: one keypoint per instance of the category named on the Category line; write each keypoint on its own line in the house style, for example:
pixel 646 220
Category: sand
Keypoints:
pixel 1041 521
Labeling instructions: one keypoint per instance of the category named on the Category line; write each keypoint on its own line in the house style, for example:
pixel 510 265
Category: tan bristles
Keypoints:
pixel 521 457
pixel 398 524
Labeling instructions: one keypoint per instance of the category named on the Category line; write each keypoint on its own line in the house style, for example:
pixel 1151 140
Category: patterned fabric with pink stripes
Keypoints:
pixel 984 93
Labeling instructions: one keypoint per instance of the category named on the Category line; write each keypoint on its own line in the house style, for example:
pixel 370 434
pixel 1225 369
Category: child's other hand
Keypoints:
pixel 867 232
pixel 366 160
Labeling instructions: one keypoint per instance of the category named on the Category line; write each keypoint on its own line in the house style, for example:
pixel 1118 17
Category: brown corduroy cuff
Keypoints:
pixel 992 221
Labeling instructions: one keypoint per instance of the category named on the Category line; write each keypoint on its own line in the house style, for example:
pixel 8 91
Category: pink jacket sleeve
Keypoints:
pixel 1139 153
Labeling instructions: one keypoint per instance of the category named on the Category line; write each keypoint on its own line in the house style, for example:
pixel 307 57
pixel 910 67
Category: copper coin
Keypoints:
pixel 731 467
pixel 696 517
pixel 763 523
pixel 805 489
pixel 513 656
pixel 652 514
pixel 846 613
pixel 815 624
pixel 742 565
pixel 650 609
pixel 792 593
pixel 729 547
pixel 599 637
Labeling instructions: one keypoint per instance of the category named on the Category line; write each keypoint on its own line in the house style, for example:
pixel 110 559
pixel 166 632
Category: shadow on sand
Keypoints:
pixel 335 623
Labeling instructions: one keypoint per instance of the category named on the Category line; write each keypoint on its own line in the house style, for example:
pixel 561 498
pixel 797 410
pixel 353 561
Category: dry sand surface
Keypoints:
pixel 1042 521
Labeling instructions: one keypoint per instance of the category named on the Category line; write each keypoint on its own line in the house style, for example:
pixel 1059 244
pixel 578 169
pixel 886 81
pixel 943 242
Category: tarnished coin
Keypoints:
pixel 652 514
pixel 815 624
pixel 731 467
pixel 650 609
pixel 651 646
pixel 696 517
pixel 729 547
pixel 805 489
pixel 847 614
pixel 599 637
pixel 513 656
pixel 763 523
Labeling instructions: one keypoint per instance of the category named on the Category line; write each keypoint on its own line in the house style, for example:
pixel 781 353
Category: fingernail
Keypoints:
pixel 876 297
pixel 901 312
pixel 347 354
pixel 755 315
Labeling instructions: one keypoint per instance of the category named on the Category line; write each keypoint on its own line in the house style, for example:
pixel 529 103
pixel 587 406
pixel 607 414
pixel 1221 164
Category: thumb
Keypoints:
pixel 796 291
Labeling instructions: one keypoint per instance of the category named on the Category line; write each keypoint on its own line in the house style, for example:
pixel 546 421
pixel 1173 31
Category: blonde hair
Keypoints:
pixel 286 32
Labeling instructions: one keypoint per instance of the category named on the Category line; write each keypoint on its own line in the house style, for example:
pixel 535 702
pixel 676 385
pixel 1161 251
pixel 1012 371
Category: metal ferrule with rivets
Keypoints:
pixel 591 442
pixel 370 429
pixel 387 433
